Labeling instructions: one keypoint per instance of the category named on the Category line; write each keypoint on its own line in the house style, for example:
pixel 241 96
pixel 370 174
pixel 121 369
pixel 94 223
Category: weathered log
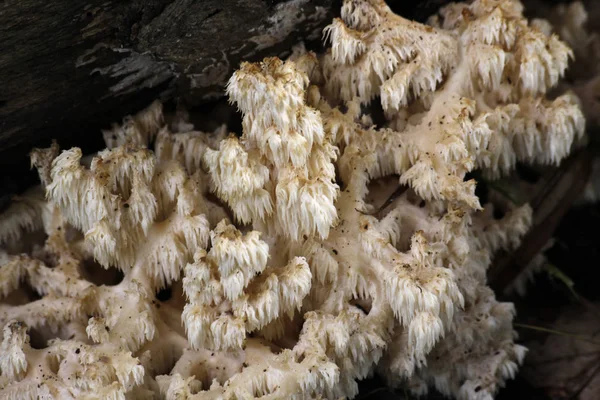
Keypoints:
pixel 70 67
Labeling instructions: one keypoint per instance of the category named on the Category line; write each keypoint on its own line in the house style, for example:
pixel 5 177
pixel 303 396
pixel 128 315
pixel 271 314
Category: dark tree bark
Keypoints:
pixel 71 67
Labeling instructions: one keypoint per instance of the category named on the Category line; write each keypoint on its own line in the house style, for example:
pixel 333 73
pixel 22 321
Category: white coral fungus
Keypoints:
pixel 189 265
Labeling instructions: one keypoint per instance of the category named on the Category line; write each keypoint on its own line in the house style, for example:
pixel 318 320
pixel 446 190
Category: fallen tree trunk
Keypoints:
pixel 70 67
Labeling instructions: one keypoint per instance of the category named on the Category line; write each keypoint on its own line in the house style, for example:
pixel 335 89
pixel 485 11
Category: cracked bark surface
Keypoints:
pixel 69 68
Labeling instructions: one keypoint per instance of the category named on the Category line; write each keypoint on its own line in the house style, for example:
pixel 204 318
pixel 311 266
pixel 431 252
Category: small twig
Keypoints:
pixel 563 357
pixel 397 193
pixel 555 272
pixel 557 332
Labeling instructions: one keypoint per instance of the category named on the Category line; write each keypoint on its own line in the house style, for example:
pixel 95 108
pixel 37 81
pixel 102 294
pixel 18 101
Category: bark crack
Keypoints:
pixel 212 14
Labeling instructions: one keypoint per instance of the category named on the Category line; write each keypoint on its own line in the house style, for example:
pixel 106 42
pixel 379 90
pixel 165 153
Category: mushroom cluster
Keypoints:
pixel 337 236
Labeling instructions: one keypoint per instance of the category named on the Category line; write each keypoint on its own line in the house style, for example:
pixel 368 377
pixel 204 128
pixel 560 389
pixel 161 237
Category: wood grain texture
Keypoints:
pixel 69 68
